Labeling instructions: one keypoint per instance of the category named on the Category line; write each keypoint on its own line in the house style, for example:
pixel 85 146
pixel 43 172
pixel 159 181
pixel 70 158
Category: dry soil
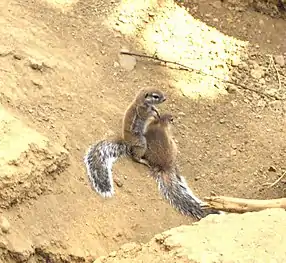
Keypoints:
pixel 64 86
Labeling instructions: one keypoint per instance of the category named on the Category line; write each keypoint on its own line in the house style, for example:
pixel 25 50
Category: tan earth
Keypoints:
pixel 185 244
pixel 64 86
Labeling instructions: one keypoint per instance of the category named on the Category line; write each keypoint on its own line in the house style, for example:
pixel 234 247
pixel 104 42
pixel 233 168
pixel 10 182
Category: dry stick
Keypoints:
pixel 276 182
pixel 5 70
pixel 239 205
pixel 183 67
pixel 278 76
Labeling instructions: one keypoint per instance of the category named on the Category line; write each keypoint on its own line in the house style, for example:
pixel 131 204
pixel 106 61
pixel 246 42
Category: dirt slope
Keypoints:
pixel 251 237
pixel 61 75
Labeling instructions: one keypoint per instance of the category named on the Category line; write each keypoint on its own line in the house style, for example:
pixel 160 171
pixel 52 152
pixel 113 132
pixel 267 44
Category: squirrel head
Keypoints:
pixel 152 96
pixel 166 119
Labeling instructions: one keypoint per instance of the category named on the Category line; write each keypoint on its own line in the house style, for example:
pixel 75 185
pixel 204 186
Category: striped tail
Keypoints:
pixel 175 189
pixel 99 160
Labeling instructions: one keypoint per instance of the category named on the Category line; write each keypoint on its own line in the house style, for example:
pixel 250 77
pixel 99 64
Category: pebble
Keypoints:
pixel 221 121
pixel 127 62
pixel 272 169
pixel 5 51
pixel 18 56
pixel 113 254
pixel 235 61
pixel 118 182
pixel 257 73
pixel 279 60
pixel 231 89
pixel 5 225
pixel 217 4
pixel 35 65
pixel 37 83
pixel 233 152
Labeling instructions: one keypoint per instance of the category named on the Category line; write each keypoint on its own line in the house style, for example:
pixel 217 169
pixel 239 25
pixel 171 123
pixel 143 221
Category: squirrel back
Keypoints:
pixel 161 148
pixel 162 154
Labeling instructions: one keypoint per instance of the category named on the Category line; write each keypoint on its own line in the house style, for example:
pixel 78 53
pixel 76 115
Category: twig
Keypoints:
pixel 5 70
pixel 278 76
pixel 183 67
pixel 240 205
pixel 276 182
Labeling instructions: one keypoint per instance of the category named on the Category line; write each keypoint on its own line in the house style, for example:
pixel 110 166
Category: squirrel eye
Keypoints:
pixel 155 96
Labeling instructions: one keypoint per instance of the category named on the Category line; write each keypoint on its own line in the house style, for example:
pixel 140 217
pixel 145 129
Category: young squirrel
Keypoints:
pixel 100 157
pixel 161 155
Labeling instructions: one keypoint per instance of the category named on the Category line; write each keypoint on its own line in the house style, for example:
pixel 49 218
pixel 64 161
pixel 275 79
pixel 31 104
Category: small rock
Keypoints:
pixel 235 61
pixel 18 56
pixel 181 113
pixel 127 62
pixel 276 105
pixel 129 247
pixel 5 51
pixel 222 121
pixel 216 4
pixel 272 169
pixel 5 225
pixel 122 19
pixel 113 254
pixel 52 168
pixel 279 60
pixel 271 92
pixel 257 73
pixel 231 89
pixel 37 83
pixel 35 65
pixel 118 182
pixel 233 152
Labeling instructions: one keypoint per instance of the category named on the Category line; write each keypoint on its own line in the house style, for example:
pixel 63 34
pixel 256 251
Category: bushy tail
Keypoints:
pixel 99 160
pixel 175 189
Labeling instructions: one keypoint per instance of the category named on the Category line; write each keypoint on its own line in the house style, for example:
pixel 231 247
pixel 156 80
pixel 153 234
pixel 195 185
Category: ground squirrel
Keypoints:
pixel 100 156
pixel 161 155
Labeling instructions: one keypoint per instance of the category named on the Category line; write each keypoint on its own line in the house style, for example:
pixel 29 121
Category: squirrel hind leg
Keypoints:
pixel 137 153
pixel 145 162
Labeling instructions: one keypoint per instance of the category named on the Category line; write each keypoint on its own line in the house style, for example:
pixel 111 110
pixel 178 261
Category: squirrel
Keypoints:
pixel 161 155
pixel 101 156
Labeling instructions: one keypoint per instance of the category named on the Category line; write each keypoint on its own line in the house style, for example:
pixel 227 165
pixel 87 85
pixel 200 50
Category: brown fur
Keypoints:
pixel 136 119
pixel 162 149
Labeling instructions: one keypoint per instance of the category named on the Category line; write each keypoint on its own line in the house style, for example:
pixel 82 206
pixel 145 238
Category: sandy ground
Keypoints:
pixel 65 86
pixel 242 243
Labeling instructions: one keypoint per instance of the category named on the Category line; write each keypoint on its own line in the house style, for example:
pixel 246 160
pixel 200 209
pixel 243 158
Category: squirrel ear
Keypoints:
pixel 146 94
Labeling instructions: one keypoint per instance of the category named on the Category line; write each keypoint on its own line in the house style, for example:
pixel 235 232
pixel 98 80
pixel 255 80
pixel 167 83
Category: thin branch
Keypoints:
pixel 240 205
pixel 277 72
pixel 276 182
pixel 5 70
pixel 183 67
